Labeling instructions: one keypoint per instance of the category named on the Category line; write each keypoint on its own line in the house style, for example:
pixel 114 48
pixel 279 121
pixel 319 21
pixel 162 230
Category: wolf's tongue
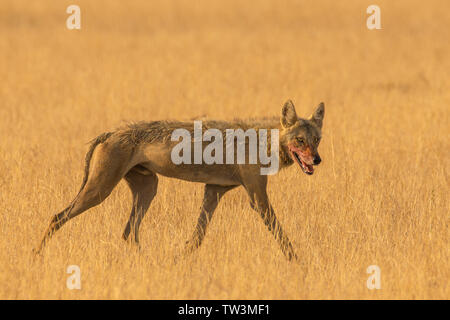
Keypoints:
pixel 308 167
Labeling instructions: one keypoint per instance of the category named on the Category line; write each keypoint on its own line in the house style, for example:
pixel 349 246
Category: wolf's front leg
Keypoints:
pixel 212 196
pixel 259 201
pixel 274 226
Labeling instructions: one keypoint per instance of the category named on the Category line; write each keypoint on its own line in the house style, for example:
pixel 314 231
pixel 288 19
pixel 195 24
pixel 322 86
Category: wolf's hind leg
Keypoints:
pixel 212 196
pixel 90 196
pixel 143 188
pixel 108 168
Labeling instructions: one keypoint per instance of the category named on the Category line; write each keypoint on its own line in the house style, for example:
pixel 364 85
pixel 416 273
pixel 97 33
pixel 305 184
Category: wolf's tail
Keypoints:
pixel 94 143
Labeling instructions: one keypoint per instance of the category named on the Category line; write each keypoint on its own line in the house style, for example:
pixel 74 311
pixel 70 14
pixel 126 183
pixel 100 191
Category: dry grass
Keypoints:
pixel 379 197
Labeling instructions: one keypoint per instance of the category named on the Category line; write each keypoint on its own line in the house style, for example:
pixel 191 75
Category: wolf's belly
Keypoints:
pixel 157 158
pixel 211 174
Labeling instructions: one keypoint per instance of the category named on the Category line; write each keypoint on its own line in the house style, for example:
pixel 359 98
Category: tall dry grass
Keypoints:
pixel 379 197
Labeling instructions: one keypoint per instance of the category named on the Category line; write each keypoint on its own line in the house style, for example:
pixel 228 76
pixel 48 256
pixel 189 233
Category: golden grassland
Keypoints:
pixel 380 196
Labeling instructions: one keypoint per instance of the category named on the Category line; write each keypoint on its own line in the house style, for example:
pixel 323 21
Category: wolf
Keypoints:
pixel 139 152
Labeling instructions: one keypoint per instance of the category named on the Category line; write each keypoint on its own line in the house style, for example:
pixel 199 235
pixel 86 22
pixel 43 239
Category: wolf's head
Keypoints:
pixel 300 138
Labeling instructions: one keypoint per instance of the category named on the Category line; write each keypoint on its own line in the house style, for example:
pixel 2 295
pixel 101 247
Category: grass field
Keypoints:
pixel 380 196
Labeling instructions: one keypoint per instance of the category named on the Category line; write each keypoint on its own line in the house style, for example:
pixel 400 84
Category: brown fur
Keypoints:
pixel 140 151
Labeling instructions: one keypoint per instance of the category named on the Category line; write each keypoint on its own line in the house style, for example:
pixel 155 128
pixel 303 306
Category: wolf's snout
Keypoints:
pixel 317 160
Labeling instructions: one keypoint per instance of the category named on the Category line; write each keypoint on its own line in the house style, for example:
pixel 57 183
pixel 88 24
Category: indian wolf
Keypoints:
pixel 139 152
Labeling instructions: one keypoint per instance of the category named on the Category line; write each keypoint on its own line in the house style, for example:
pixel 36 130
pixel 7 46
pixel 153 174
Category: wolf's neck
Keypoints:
pixel 273 123
pixel 264 123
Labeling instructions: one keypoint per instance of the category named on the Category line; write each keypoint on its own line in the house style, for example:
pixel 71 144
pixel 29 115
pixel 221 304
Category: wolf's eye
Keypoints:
pixel 316 139
pixel 300 140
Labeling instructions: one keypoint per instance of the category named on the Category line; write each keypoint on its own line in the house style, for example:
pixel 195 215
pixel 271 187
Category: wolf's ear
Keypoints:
pixel 288 115
pixel 317 116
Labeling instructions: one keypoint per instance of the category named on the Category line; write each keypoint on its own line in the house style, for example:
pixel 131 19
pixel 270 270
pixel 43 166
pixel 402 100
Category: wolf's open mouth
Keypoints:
pixel 307 168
